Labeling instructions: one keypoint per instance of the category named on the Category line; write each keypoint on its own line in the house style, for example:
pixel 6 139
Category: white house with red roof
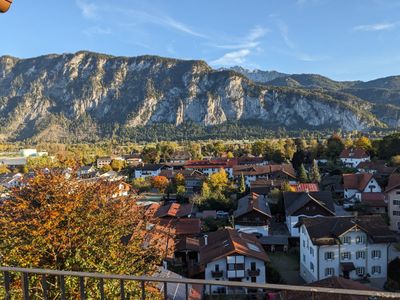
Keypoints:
pixel 393 198
pixel 356 184
pixel 352 157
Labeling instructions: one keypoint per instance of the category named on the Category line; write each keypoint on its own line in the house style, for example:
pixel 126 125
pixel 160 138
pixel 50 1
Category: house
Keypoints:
pixel 212 166
pixel 174 210
pixel 13 162
pixel 392 193
pixel 193 179
pixel 351 247
pixel 275 172
pixel 134 159
pixel 180 156
pixel 353 157
pixel 251 160
pixel 356 184
pixel 374 203
pixel 103 161
pixel 253 215
pixel 11 180
pixel 232 256
pixel 87 172
pixel 265 186
pixel 148 170
pixel 309 205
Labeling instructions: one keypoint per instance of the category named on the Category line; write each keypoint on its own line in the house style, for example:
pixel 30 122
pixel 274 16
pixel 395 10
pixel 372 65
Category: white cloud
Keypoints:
pixel 284 31
pixel 88 10
pixel 244 47
pixel 232 58
pixel 97 30
pixel 375 27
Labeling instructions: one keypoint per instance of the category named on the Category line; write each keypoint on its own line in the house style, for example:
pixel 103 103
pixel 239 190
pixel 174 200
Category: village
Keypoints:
pixel 250 219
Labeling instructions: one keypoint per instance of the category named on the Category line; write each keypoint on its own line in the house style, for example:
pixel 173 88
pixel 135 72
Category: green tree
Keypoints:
pixel 117 165
pixel 315 176
pixel 335 146
pixel 242 184
pixel 302 174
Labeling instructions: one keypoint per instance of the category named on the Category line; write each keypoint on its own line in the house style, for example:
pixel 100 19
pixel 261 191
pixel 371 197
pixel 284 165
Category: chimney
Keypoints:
pixel 307 191
pixel 205 240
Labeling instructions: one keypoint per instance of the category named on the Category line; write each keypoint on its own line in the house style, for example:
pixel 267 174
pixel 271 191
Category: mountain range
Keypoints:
pixel 87 95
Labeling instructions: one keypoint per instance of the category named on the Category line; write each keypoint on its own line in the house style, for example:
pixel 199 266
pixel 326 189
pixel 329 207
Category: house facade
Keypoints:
pixel 306 205
pixel 350 247
pixel 356 184
pixel 149 170
pixel 228 255
pixel 252 173
pixel 253 215
pixel 392 193
pixel 353 157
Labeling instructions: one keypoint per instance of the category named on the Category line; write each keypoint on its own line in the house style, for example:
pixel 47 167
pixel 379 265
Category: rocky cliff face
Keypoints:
pixel 84 92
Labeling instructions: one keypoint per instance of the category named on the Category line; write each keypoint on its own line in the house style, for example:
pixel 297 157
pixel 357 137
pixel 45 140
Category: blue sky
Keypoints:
pixel 342 39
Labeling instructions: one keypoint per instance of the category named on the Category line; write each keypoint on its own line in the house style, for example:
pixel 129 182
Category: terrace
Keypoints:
pixel 95 281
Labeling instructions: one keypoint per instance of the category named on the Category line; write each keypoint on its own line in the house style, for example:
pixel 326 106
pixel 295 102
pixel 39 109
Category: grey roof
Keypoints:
pixel 13 161
pixel 150 167
pixel 274 240
pixel 327 230
pixel 296 200
pixel 251 202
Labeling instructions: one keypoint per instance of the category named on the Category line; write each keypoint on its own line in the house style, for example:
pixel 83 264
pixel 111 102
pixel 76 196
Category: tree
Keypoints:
pixel 180 190
pixel 298 159
pixel 302 174
pixel 314 173
pixel 395 161
pixel 160 183
pixel 205 190
pixel 363 143
pixel 4 169
pixel 67 224
pixel 117 165
pixel 218 181
pixel 335 146
pixel 180 179
pixel 106 168
pixel 230 155
pixel 242 184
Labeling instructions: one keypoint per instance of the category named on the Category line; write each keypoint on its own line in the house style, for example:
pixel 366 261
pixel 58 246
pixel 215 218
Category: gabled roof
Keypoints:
pixel 181 155
pixel 327 230
pixel 183 226
pixel 354 153
pixel 174 210
pixel 252 202
pixel 228 242
pixel 254 170
pixel 356 181
pixel 394 182
pixel 373 199
pixel 296 200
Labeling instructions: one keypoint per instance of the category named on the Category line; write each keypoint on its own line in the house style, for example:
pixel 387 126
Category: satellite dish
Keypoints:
pixel 5 5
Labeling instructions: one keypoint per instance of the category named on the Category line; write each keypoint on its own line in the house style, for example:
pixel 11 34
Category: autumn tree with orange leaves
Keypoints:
pixel 160 183
pixel 68 224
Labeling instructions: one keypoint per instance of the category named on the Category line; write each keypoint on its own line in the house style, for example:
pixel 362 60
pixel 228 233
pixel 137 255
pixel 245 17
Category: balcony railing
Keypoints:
pixel 98 280
pixel 253 273
pixel 217 274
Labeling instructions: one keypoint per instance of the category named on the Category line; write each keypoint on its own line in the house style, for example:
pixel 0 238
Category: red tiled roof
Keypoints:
pixel 354 153
pixel 373 199
pixel 253 170
pixel 306 187
pixel 356 181
pixel 185 226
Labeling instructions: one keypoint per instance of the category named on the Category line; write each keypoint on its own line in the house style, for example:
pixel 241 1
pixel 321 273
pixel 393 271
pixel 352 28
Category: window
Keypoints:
pixel 360 270
pixel 360 255
pixel 396 202
pixel 253 266
pixel 311 266
pixel 396 213
pixel 376 270
pixel 253 279
pixel 304 243
pixel 346 240
pixel 304 258
pixel 216 268
pixel 346 255
pixel 329 272
pixel 398 192
pixel 311 251
pixel 360 239
pixel 231 267
pixel 375 254
pixel 329 255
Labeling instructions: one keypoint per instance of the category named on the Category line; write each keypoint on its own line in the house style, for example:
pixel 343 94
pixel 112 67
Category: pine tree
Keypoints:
pixel 242 185
pixel 315 176
pixel 303 174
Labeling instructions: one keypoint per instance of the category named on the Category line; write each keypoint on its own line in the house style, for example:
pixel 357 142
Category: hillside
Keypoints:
pixel 86 95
